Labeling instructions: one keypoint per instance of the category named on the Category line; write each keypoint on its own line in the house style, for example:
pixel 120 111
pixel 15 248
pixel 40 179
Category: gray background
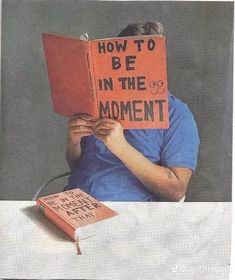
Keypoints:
pixel 200 55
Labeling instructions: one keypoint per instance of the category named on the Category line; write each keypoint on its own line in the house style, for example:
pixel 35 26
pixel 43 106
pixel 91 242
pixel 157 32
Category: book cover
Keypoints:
pixel 73 209
pixel 122 78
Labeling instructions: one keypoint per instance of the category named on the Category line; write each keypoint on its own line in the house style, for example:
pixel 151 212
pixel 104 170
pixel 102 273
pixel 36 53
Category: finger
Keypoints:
pixel 81 122
pixel 104 120
pixel 102 132
pixel 82 116
pixel 103 126
pixel 81 128
pixel 101 137
pixel 78 135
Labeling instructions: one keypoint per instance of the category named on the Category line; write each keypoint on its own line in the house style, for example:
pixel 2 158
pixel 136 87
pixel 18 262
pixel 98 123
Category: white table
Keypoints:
pixel 146 241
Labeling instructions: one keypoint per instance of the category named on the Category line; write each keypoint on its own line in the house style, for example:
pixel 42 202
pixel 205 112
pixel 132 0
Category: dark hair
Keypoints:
pixel 147 28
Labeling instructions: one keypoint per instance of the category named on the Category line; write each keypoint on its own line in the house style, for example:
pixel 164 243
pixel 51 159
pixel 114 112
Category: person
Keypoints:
pixel 116 164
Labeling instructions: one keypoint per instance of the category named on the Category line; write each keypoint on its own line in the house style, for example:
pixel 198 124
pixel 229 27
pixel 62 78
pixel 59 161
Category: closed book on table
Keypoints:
pixel 73 209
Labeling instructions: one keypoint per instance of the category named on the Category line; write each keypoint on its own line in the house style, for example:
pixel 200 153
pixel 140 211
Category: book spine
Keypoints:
pixel 91 77
pixel 57 220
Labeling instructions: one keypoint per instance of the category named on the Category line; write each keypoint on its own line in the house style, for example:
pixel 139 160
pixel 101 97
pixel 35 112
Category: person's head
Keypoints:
pixel 137 29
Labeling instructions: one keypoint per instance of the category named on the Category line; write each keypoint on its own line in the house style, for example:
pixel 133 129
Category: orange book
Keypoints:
pixel 73 209
pixel 122 78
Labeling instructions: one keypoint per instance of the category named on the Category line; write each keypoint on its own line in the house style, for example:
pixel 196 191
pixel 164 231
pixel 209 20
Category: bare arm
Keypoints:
pixel 78 127
pixel 169 183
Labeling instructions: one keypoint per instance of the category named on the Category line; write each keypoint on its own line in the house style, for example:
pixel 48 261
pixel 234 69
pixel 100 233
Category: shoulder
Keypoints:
pixel 181 119
pixel 181 140
pixel 176 105
pixel 177 108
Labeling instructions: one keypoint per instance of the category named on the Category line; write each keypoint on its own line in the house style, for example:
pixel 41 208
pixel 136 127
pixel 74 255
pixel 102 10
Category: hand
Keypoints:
pixel 111 133
pixel 79 126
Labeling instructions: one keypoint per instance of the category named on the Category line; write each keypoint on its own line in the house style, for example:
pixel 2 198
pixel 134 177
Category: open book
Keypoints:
pixel 73 209
pixel 122 78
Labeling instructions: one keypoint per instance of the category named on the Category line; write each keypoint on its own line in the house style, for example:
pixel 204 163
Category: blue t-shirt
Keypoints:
pixel 101 174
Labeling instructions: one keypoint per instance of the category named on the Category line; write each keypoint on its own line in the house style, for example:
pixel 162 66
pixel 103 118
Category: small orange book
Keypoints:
pixel 73 209
pixel 123 78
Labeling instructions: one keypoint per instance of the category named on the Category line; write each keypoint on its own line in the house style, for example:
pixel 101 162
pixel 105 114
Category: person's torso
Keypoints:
pixel 101 174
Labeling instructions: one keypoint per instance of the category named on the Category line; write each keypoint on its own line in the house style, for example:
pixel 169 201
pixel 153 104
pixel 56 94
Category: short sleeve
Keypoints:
pixel 181 141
